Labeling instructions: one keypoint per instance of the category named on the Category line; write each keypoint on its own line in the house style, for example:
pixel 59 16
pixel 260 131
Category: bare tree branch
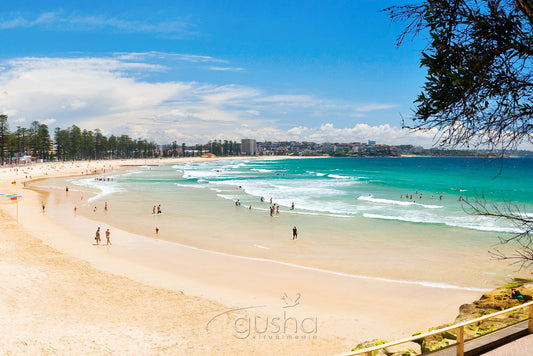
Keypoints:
pixel 522 256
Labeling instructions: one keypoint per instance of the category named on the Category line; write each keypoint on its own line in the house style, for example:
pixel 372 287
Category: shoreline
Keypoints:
pixel 215 281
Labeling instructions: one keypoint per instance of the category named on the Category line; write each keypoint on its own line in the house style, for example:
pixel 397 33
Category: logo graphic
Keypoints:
pixel 284 325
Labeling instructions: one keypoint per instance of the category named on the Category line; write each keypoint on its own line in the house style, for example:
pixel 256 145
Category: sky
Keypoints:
pixel 194 71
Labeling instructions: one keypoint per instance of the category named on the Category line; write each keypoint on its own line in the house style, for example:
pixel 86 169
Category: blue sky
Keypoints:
pixel 192 71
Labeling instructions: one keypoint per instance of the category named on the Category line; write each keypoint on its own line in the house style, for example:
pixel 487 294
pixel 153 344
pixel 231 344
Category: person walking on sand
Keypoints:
pixel 105 206
pixel 44 206
pixel 107 236
pixel 97 237
pixel 153 210
pixel 294 233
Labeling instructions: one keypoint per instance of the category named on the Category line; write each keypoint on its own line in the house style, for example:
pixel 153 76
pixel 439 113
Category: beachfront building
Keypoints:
pixel 248 146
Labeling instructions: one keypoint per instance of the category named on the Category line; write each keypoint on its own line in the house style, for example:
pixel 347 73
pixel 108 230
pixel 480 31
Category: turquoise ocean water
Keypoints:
pixel 375 188
pixel 397 218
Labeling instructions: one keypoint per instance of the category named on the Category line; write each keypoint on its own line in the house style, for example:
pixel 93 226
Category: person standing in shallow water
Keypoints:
pixel 107 236
pixel 97 237
pixel 294 233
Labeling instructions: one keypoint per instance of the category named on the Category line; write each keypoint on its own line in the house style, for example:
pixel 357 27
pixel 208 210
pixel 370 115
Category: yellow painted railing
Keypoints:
pixel 460 344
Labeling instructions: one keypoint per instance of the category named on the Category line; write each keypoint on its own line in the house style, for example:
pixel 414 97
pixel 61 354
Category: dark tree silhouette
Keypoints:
pixel 522 254
pixel 478 89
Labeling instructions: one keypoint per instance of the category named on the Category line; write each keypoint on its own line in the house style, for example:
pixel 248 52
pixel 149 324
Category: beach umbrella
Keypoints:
pixel 14 198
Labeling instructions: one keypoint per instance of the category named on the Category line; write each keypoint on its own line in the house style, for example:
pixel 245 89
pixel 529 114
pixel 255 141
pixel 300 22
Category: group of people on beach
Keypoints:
pixel 419 195
pixel 107 236
pixel 274 209
pixel 99 179
pixel 95 209
pixel 156 209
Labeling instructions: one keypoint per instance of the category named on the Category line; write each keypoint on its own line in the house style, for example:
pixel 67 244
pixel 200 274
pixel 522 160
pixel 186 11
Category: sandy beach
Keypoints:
pixel 146 295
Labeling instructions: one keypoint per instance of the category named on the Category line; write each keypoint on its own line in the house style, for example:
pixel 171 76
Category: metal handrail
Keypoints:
pixel 460 332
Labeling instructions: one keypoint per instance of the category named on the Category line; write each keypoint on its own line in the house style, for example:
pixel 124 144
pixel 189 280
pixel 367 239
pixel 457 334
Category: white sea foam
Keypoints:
pixel 324 213
pixel 228 197
pixel 104 187
pixel 486 226
pixel 195 174
pixel 370 198
pixel 234 165
pixel 318 174
pixel 526 215
pixel 261 170
pixel 336 176
pixel 194 186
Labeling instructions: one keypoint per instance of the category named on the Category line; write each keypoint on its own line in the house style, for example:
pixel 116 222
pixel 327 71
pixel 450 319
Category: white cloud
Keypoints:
pixel 361 132
pixel 45 18
pixel 48 121
pixel 196 58
pixel 107 93
pixel 226 69
pixel 192 58
pixel 299 100
pixel 227 94
pixel 374 107
pixel 59 20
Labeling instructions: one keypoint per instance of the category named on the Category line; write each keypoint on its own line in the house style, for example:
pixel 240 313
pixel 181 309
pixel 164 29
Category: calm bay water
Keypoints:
pixel 355 215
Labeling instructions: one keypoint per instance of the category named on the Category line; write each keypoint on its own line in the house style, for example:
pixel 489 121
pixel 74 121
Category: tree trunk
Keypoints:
pixel 526 6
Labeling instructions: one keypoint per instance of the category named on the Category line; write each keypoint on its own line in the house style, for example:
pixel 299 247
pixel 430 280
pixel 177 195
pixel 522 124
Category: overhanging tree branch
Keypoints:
pixel 479 62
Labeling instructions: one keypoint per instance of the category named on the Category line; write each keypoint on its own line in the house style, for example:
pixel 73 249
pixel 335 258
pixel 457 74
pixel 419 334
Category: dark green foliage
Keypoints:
pixel 4 131
pixel 69 144
pixel 479 88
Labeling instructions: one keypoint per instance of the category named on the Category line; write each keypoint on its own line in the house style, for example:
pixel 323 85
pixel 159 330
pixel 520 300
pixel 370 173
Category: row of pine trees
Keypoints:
pixel 74 143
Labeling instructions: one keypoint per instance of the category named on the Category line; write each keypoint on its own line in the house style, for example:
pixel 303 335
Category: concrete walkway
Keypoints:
pixel 520 347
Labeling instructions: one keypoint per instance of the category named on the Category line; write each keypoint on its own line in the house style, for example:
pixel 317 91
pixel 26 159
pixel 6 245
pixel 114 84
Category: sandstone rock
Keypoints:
pixel 490 302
